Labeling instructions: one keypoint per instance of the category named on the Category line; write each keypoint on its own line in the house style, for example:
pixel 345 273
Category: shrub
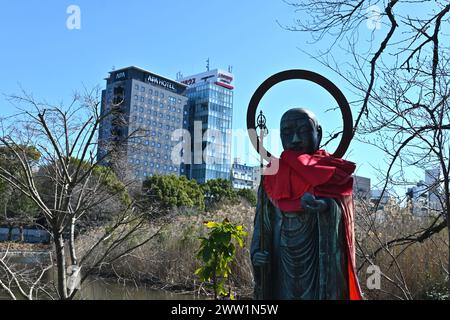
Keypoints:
pixel 217 191
pixel 170 191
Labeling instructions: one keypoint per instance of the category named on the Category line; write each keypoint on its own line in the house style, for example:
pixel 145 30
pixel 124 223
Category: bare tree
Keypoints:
pixel 68 183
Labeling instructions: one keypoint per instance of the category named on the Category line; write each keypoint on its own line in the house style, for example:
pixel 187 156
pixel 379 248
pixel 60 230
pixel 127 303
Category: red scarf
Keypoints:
pixel 324 176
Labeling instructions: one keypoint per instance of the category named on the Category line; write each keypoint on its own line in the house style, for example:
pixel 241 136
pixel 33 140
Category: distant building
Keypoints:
pixel 241 175
pixel 210 115
pixel 148 107
pixel 361 188
pixel 142 112
pixel 425 197
pixel 433 182
pixel 383 200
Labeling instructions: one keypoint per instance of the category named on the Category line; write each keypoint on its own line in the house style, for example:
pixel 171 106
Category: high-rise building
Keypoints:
pixel 210 116
pixel 142 110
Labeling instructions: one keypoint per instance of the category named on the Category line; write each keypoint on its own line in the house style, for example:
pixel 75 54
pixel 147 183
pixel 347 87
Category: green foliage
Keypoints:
pixel 219 190
pixel 217 252
pixel 248 194
pixel 112 183
pixel 170 191
pixel 15 205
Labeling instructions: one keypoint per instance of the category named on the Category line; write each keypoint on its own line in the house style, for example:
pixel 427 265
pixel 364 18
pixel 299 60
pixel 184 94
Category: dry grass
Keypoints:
pixel 168 261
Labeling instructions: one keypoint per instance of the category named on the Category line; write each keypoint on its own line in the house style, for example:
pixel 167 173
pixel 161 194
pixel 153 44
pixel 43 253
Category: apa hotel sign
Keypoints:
pixel 160 82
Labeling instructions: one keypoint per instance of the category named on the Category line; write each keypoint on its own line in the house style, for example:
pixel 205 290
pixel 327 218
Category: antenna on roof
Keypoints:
pixel 179 75
pixel 113 68
pixel 207 65
pixel 230 69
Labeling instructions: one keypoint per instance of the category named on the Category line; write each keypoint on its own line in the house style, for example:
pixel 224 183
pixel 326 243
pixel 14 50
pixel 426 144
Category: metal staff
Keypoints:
pixel 263 131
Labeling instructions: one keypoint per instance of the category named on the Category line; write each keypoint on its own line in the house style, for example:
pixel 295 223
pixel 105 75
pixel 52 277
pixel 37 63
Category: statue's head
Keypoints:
pixel 300 131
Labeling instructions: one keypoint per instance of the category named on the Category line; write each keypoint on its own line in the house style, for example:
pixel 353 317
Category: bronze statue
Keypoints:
pixel 307 208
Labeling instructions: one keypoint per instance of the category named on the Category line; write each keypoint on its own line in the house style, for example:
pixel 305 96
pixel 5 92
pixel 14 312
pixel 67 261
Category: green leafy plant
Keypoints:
pixel 217 252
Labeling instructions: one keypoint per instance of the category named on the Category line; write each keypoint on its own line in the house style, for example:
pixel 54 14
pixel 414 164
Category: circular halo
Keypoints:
pixel 301 75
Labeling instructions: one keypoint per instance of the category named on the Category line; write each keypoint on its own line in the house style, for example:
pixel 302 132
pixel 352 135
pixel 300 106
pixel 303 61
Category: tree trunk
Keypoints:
pixel 448 249
pixel 73 255
pixel 60 265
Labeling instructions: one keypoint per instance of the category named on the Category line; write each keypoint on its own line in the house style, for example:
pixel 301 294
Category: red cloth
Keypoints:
pixel 324 176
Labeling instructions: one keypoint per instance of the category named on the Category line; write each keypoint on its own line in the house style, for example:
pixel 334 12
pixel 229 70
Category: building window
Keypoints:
pixel 136 97
pixel 135 107
pixel 156 93
pixel 142 89
pixel 141 109
pixel 136 87
pixel 142 99
pixel 161 105
pixel 161 95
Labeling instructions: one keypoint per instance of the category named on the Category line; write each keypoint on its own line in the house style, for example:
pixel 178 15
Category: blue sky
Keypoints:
pixel 43 56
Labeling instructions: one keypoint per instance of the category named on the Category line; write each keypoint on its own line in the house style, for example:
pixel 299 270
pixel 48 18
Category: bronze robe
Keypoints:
pixel 308 256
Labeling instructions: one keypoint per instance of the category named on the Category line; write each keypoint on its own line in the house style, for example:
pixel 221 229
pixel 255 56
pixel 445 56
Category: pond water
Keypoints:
pixel 96 288
pixel 106 289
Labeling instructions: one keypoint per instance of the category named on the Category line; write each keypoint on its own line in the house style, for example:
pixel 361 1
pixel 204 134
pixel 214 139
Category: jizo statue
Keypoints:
pixel 303 241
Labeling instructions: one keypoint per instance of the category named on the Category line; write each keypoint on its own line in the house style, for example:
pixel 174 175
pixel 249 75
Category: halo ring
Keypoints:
pixel 300 74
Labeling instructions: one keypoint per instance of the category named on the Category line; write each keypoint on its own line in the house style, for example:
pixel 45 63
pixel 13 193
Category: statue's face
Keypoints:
pixel 299 133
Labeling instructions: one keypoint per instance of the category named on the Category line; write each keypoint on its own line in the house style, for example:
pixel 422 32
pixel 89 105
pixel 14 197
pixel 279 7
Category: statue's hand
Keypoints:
pixel 310 204
pixel 260 258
